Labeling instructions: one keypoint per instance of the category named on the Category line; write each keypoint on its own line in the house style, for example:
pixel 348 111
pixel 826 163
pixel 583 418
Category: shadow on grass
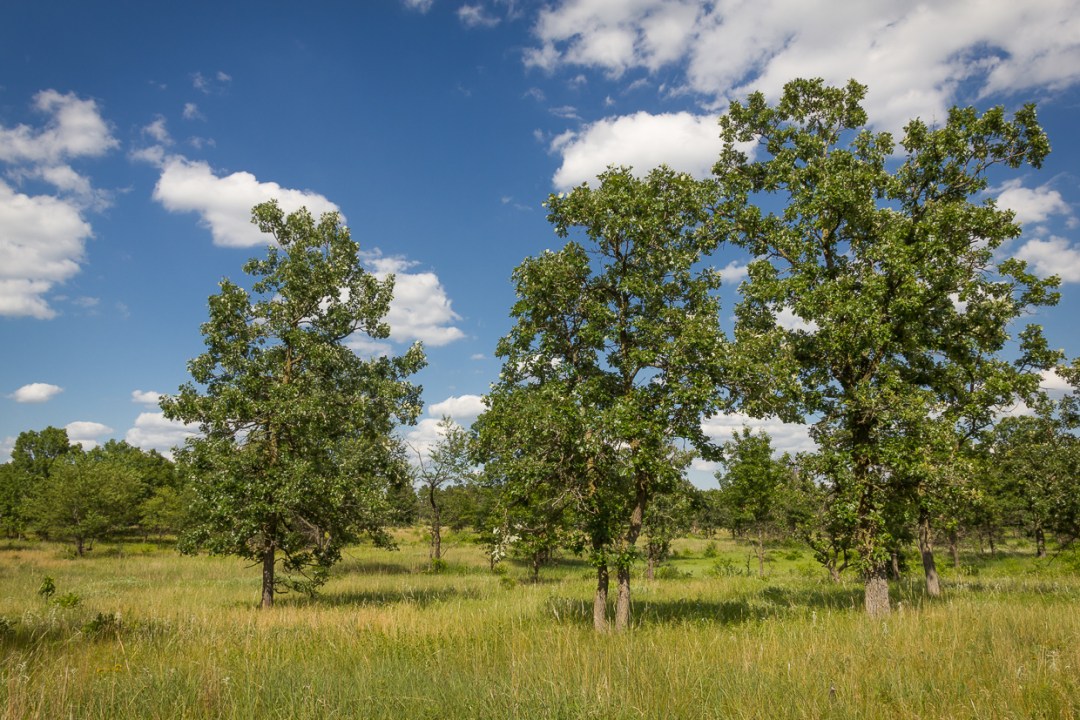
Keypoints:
pixel 372 567
pixel 769 602
pixel 419 597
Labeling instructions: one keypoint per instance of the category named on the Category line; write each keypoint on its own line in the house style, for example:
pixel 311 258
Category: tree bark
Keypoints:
pixel 622 600
pixel 599 609
pixel 761 553
pixel 268 574
pixel 926 550
pixel 1040 541
pixel 954 549
pixel 650 564
pixel 876 593
pixel 436 527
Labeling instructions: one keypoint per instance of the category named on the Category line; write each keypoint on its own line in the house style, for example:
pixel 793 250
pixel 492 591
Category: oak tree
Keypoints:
pixel 296 448
pixel 887 258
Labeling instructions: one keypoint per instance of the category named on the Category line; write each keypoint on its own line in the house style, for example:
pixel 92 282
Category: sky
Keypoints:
pixel 135 138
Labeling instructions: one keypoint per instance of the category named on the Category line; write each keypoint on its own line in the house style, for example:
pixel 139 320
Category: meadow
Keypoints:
pixel 137 631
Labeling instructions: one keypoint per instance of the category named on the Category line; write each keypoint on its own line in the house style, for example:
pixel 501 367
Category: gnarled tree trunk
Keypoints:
pixel 622 600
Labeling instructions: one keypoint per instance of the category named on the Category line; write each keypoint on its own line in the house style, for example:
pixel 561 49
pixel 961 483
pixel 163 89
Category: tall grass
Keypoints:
pixel 160 636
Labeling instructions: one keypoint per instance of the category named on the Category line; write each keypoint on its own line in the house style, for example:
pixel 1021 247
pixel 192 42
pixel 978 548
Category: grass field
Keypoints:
pixel 145 633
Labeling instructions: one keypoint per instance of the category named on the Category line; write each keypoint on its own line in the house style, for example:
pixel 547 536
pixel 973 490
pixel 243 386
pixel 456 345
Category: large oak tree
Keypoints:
pixel 889 258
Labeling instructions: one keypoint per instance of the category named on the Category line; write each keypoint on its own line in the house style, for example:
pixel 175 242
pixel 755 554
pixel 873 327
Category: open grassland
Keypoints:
pixel 156 635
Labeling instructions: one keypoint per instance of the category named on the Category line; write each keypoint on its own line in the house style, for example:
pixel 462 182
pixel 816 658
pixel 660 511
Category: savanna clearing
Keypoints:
pixel 137 631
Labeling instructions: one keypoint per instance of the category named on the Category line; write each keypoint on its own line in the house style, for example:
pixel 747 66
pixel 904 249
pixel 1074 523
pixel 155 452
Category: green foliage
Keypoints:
pixel 86 497
pixel 616 347
pixel 905 311
pixel 47 588
pixel 296 451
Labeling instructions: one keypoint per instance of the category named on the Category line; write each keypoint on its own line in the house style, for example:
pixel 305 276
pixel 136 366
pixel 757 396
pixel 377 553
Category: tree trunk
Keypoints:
pixel 876 593
pixel 599 608
pixel 80 546
pixel 834 574
pixel 622 600
pixel 650 564
pixel 954 549
pixel 761 553
pixel 1040 541
pixel 926 549
pixel 436 527
pixel 894 565
pixel 268 574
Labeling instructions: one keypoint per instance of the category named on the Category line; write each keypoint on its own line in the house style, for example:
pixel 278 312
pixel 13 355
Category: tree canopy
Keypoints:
pixel 296 447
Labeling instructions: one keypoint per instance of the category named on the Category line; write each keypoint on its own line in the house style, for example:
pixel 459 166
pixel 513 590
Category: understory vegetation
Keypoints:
pixel 135 630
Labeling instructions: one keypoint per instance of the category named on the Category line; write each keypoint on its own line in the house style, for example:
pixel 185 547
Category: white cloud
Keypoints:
pixel 1052 382
pixel 41 243
pixel 87 434
pixel 209 84
pixel 462 408
pixel 42 236
pixel 420 6
pixel 191 112
pixel 420 309
pixel 75 129
pixel 684 142
pixel 914 56
pixel 157 131
pixel 224 203
pixel 36 393
pixel 1052 257
pixel 152 431
pixel 734 273
pixel 786 437
pixel 1031 205
pixel 146 397
pixel 475 16
pixel 6 446
pixel 787 319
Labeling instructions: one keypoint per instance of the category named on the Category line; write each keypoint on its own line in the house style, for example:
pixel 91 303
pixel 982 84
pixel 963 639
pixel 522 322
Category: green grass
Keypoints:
pixel 156 635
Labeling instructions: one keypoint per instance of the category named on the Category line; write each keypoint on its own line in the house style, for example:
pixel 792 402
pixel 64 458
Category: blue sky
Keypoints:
pixel 135 137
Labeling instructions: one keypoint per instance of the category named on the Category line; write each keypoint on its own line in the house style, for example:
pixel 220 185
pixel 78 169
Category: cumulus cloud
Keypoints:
pixel 1054 256
pixel 1032 205
pixel 42 237
pixel 42 241
pixel 75 129
pixel 420 309
pixel 36 393
pixel 224 203
pixel 192 112
pixel 734 273
pixel 786 437
pixel 146 397
pixel 153 431
pixel 914 56
pixel 686 142
pixel 462 409
pixel 87 434
pixel 420 6
pixel 6 446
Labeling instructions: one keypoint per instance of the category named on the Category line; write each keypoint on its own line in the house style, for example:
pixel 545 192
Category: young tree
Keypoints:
pixel 296 447
pixel 669 516
pixel 625 330
pixel 751 485
pixel 86 497
pixel 891 272
pixel 447 464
